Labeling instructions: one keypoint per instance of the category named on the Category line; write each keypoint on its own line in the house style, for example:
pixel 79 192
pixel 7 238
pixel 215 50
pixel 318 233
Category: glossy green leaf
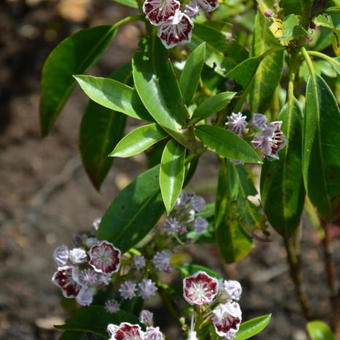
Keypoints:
pixel 252 327
pixel 70 335
pixel 100 131
pixel 226 144
pixel 268 74
pixel 292 29
pixel 282 190
pixel 212 105
pixel 134 211
pixel 172 173
pixel 138 141
pixel 158 88
pixel 318 330
pixel 113 95
pixel 321 156
pixel 244 72
pixel 94 320
pixel 129 3
pixel 233 242
pixel 222 55
pixel 76 54
pixel 191 73
pixel 296 6
pixel 188 269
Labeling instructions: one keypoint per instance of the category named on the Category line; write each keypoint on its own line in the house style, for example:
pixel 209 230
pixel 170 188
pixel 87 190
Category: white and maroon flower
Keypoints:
pixel 208 5
pixel 176 31
pixel 230 290
pixel 125 331
pixel 139 261
pixel 78 255
pixel 104 257
pixel 200 288
pixel 153 333
pixel 226 319
pixel 160 11
pixel 128 290
pixel 161 260
pixel 237 123
pixel 270 140
pixel 112 306
pixel 63 278
pixel 147 288
pixel 200 225
pixel 259 120
pixel 61 255
pixel 146 317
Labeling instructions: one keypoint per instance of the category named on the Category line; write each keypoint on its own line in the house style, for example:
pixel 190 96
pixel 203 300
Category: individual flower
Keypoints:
pixel 237 123
pixel 147 288
pixel 172 226
pixel 197 202
pixel 192 9
pixel 61 255
pixel 160 11
pixel 200 288
pixel 161 260
pixel 104 257
pixel 112 306
pixel 139 261
pixel 226 319
pixel 153 333
pixel 146 317
pixel 63 278
pixel 128 290
pixel 208 5
pixel 200 225
pixel 78 255
pixel 176 31
pixel 270 140
pixel 125 331
pixel 259 120
pixel 85 296
pixel 230 290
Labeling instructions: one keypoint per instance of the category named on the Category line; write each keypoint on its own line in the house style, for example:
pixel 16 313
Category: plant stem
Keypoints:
pixel 125 21
pixel 294 263
pixel 324 56
pixel 334 296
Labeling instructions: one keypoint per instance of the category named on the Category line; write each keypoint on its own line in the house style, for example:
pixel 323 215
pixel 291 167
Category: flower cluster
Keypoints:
pixel 83 270
pixel 175 26
pixel 220 297
pixel 128 331
pixel 183 217
pixel 269 138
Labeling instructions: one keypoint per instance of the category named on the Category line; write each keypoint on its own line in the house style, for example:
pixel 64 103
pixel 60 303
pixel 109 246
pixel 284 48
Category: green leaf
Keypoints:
pixel 94 320
pixel 292 28
pixel 222 55
pixel 233 243
pixel 282 190
pixel 191 73
pixel 268 74
pixel 75 54
pixel 296 6
pixel 318 330
pixel 172 173
pixel 134 211
pixel 226 144
pixel 113 95
pixel 212 105
pixel 129 3
pixel 321 157
pixel 70 335
pixel 326 21
pixel 244 72
pixel 100 131
pixel 158 88
pixel 252 327
pixel 188 269
pixel 138 141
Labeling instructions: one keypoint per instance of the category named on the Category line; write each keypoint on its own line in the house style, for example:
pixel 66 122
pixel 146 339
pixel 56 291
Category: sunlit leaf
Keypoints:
pixel 252 327
pixel 318 330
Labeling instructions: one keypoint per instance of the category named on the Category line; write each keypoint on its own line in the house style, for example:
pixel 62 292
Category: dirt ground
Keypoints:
pixel 46 196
